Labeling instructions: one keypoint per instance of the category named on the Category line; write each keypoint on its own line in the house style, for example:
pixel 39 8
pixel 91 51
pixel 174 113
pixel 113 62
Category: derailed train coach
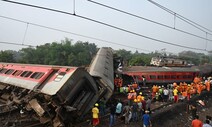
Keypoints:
pixel 56 95
pixel 166 75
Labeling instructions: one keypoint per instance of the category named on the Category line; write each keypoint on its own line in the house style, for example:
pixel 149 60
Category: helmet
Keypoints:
pixel 146 111
pixel 140 93
pixel 96 104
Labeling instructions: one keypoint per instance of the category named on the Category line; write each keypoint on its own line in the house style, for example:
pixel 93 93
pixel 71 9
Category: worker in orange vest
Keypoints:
pixel 120 82
pixel 208 85
pixel 140 97
pixel 188 89
pixel 130 94
pixel 154 90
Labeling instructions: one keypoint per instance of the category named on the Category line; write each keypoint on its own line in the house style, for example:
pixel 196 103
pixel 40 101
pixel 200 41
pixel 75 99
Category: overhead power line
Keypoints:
pixel 68 32
pixel 196 25
pixel 11 43
pixel 99 22
pixel 140 17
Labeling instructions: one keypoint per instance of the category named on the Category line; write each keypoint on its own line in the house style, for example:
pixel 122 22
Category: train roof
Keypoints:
pixel 159 69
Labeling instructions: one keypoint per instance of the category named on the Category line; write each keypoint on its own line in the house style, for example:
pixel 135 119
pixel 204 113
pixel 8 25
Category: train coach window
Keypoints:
pixel 189 76
pixel 9 71
pixel 173 76
pixel 17 73
pixel 59 76
pixel 167 76
pixel 152 77
pixel 3 70
pixel 179 76
pixel 185 76
pixel 160 76
pixel 26 74
pixel 37 75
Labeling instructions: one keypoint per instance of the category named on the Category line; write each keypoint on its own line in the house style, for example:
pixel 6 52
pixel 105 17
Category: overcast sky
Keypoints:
pixel 136 34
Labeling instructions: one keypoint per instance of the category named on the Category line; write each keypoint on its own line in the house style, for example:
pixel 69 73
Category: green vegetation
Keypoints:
pixel 67 53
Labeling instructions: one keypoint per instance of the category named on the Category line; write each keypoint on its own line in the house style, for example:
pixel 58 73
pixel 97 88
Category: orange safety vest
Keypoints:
pixel 208 85
pixel 130 95
pixel 184 94
pixel 135 86
pixel 154 89
pixel 116 81
pixel 120 82
pixel 139 98
pixel 134 95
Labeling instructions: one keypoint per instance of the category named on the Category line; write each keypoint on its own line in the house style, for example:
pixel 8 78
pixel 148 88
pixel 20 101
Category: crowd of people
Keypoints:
pixel 134 110
pixel 175 92
pixel 138 107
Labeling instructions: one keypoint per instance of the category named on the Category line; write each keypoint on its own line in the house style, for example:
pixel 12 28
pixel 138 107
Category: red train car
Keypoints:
pixel 56 95
pixel 43 88
pixel 161 75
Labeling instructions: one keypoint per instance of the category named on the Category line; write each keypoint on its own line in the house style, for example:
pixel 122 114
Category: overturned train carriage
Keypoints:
pixel 102 69
pixel 55 95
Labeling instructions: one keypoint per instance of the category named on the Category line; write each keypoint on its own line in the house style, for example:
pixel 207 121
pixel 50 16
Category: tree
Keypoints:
pixel 60 53
pixel 6 56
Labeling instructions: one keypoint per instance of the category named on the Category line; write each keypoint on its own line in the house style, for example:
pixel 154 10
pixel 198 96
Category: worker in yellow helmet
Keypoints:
pixel 95 112
pixel 139 97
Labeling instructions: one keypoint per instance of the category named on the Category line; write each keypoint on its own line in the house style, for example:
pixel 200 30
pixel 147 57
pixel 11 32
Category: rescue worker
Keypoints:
pixel 134 111
pixel 175 92
pixel 127 113
pixel 208 85
pixel 130 97
pixel 160 91
pixel 139 97
pixel 157 96
pixel 188 92
pixel 95 112
pixel 196 122
pixel 146 119
pixel 199 89
pixel 154 90
pixel 112 115
pixel 166 94
pixel 140 110
pixel 135 85
pixel 119 108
